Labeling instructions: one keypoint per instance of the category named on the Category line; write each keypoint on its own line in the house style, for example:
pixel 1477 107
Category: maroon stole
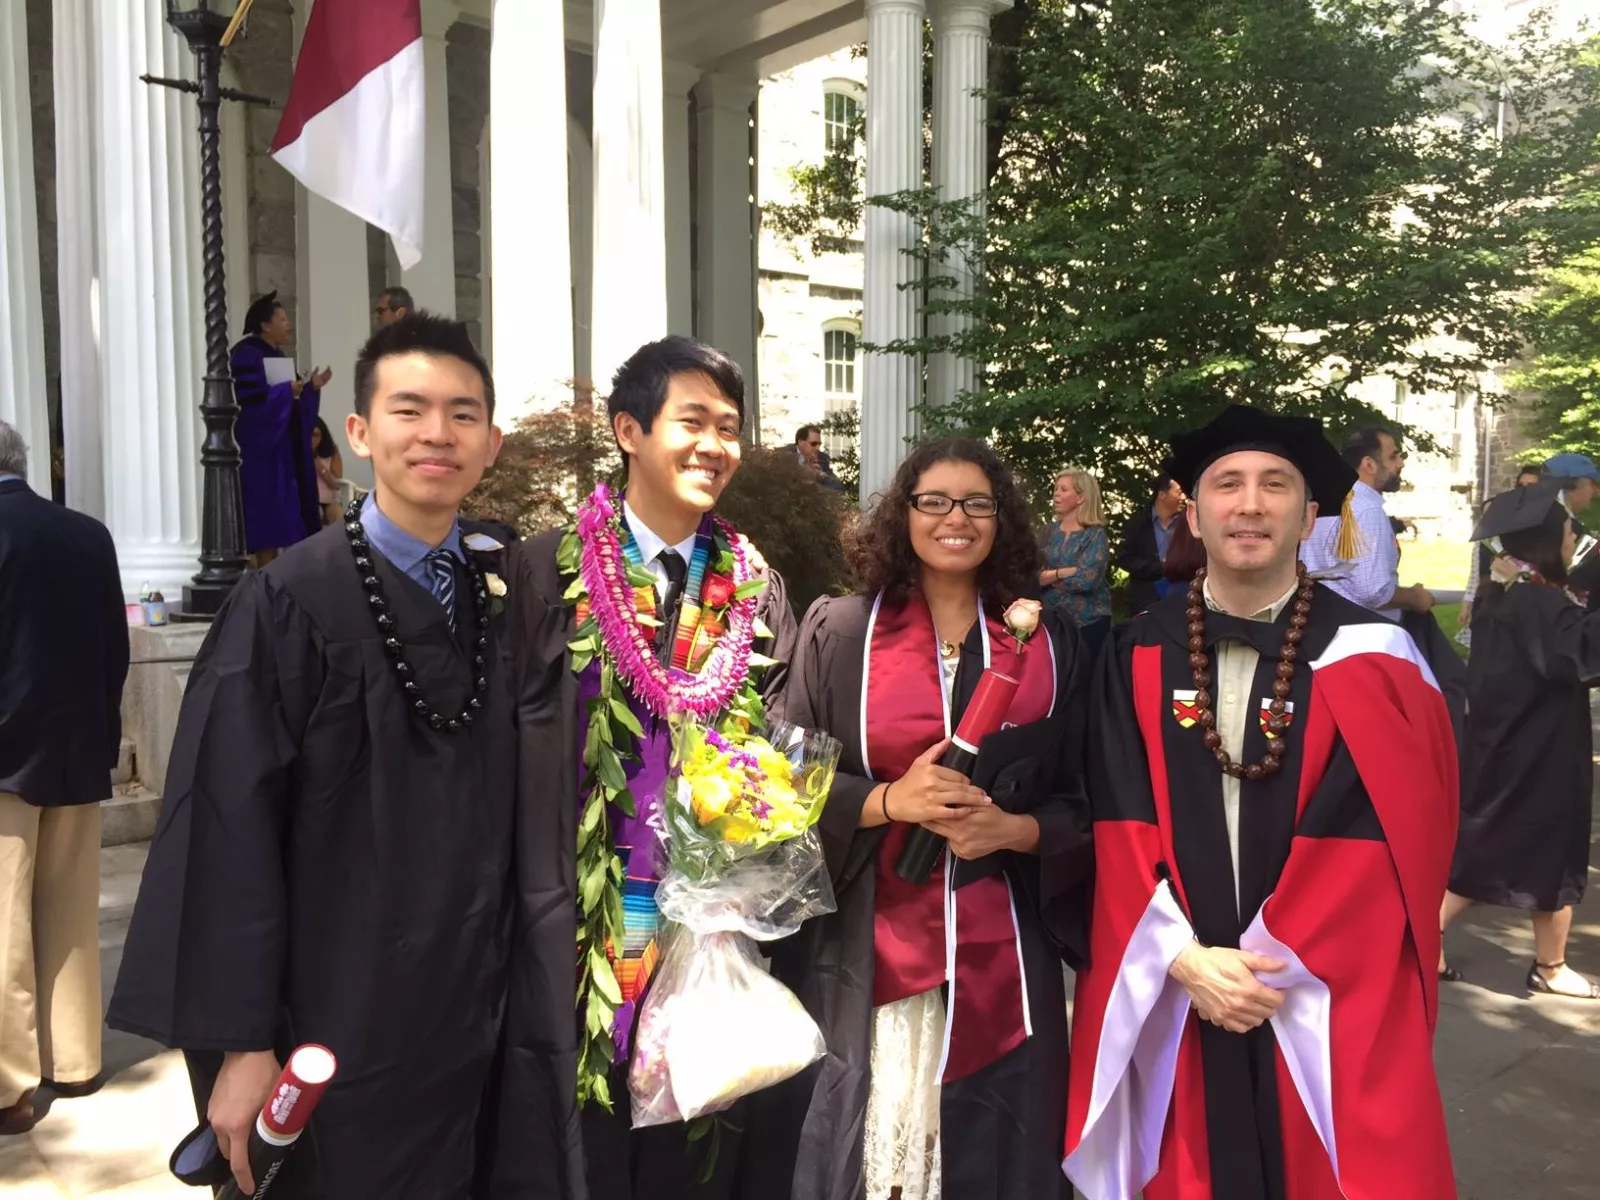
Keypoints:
pixel 928 934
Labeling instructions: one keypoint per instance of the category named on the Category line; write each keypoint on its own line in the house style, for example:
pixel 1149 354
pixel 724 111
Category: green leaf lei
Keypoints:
pixel 609 743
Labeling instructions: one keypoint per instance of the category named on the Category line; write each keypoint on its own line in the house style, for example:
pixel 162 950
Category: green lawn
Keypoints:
pixel 1449 618
pixel 1435 564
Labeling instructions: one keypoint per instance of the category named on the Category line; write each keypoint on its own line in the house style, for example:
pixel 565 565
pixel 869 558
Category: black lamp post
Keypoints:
pixel 222 555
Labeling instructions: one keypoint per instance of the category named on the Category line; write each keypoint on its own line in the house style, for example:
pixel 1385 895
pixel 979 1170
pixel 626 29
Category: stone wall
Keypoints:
pixel 263 56
pixel 467 73
pixel 41 90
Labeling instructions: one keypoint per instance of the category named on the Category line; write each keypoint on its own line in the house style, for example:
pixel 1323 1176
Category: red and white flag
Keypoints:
pixel 353 130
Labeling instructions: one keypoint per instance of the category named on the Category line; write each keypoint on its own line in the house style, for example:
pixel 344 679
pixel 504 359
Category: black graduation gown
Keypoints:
pixel 1001 1127
pixel 328 869
pixel 616 1163
pixel 1527 795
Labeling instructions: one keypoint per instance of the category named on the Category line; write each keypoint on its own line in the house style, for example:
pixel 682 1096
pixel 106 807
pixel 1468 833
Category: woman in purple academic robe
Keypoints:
pixel 277 477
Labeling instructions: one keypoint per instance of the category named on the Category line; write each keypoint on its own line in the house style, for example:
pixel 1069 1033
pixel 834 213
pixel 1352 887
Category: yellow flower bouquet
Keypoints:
pixel 738 794
pixel 746 866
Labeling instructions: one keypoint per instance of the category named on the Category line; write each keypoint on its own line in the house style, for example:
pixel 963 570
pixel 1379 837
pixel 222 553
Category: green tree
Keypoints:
pixel 1564 370
pixel 1200 201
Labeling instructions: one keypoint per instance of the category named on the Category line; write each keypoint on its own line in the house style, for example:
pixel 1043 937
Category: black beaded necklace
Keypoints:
pixel 379 604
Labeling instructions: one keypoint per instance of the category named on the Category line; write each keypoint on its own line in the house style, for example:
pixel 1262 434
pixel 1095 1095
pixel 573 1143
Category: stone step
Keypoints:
pixel 122 773
pixel 129 816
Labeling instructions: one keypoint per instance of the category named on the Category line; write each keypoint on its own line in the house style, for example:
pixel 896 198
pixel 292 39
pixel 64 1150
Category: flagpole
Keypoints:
pixel 222 546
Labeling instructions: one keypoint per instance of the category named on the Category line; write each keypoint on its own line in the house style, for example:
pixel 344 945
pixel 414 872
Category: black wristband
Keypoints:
pixel 883 802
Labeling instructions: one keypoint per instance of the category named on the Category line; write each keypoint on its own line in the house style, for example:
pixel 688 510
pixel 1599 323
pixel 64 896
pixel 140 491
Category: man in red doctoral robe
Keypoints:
pixel 1273 782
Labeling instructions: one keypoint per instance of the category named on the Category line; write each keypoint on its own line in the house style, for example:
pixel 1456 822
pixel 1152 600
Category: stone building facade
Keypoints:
pixel 810 304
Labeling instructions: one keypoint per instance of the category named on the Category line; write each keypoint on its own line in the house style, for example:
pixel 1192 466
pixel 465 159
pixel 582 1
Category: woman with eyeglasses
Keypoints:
pixel 942 1002
pixel 1077 556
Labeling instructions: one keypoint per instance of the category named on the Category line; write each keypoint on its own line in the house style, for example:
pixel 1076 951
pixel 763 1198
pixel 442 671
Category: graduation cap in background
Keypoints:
pixel 1240 427
pixel 259 313
pixel 1518 509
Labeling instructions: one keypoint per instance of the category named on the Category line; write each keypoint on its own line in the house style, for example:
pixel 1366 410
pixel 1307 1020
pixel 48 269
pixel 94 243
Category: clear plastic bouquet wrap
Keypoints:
pixel 715 1026
pixel 746 866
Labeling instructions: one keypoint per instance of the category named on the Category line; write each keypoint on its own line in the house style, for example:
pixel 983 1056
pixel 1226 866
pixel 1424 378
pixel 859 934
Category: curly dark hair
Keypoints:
pixel 879 548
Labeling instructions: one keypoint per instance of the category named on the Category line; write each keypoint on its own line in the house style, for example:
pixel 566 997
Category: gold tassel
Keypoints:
pixel 1349 545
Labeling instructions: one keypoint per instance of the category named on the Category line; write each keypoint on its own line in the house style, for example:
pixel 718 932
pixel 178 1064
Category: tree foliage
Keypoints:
pixel 1202 201
pixel 1564 370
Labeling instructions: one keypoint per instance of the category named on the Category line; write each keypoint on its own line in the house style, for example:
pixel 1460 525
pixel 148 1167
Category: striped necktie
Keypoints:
pixel 442 574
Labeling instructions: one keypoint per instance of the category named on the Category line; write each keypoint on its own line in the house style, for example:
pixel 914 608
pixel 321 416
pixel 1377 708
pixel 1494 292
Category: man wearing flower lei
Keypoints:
pixel 648 607
pixel 333 863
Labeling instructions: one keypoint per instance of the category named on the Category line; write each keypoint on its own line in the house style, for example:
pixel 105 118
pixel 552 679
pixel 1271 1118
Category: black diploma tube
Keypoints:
pixel 984 714
pixel 283 1117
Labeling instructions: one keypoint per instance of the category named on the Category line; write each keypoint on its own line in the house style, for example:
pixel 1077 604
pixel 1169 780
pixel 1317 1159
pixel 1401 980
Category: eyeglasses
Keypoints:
pixel 937 504
pixel 815 445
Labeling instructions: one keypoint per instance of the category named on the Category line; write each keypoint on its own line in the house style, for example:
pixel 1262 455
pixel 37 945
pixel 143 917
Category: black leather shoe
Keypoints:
pixel 19 1117
pixel 72 1091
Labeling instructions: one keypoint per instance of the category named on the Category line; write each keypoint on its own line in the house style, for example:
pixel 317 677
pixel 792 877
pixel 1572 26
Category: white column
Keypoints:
pixel 960 160
pixel 530 280
pixel 727 314
pixel 678 81
pixel 333 310
pixel 432 282
pixel 77 284
pixel 630 251
pixel 890 381
pixel 22 387
pixel 147 199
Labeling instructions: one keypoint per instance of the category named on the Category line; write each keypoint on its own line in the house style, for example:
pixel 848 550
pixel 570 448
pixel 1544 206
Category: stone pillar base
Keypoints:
pixel 153 695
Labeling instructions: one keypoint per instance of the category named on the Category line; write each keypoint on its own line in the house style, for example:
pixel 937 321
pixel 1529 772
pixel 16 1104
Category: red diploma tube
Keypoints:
pixel 283 1117
pixel 985 713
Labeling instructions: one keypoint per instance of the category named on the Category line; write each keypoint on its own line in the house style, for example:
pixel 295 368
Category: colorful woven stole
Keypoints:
pixel 929 934
pixel 697 635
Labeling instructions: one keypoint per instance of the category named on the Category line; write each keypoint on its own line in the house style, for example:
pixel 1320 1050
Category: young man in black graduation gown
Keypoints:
pixel 677 411
pixel 333 863
pixel 1273 782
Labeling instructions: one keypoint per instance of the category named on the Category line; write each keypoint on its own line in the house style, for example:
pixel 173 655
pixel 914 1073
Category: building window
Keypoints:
pixel 841 109
pixel 839 361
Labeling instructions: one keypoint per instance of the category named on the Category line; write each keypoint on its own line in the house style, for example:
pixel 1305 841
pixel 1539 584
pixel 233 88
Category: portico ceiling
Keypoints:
pixel 749 37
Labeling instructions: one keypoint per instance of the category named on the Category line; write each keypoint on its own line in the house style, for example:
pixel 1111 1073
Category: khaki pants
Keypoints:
pixel 49 945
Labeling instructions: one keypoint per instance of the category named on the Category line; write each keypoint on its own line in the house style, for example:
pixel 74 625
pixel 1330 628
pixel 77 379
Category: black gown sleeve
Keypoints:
pixel 1567 645
pixel 805 702
pixel 1056 876
pixel 538 1152
pixel 204 963
pixel 774 609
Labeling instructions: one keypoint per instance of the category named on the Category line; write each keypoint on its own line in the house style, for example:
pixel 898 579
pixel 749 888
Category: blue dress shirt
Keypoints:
pixel 407 553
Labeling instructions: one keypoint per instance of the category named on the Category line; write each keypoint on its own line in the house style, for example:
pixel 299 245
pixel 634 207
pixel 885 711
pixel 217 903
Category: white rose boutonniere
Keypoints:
pixel 1022 619
pixel 497 592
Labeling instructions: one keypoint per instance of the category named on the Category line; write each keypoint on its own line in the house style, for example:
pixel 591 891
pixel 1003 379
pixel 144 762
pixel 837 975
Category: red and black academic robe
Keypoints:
pixel 1342 863
pixel 1000 1124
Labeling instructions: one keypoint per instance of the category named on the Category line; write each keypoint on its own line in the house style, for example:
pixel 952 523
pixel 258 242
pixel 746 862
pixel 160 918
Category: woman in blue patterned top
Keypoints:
pixel 1077 556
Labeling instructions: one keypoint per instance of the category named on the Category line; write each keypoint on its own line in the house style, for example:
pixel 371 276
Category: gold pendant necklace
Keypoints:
pixel 947 650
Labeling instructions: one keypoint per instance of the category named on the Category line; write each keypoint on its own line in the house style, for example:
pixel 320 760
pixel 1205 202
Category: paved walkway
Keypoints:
pixel 1521 1077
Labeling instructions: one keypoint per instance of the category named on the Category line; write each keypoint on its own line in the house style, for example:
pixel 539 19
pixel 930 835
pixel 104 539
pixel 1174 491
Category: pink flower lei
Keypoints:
pixel 603 568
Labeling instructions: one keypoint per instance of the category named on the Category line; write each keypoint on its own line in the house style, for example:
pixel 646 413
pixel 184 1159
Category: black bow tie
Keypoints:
pixel 1265 636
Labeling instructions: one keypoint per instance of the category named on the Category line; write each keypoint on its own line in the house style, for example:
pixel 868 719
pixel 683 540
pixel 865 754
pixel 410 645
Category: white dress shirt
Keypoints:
pixel 651 544
pixel 1371 579
pixel 1234 707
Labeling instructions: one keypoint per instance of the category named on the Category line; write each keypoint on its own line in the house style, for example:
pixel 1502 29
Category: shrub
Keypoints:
pixel 549 462
pixel 793 520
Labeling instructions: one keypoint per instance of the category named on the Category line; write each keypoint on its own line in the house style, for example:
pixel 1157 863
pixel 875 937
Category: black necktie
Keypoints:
pixel 677 572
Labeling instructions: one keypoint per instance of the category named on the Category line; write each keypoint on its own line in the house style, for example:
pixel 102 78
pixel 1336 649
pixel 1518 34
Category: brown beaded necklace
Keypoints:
pixel 1277 722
